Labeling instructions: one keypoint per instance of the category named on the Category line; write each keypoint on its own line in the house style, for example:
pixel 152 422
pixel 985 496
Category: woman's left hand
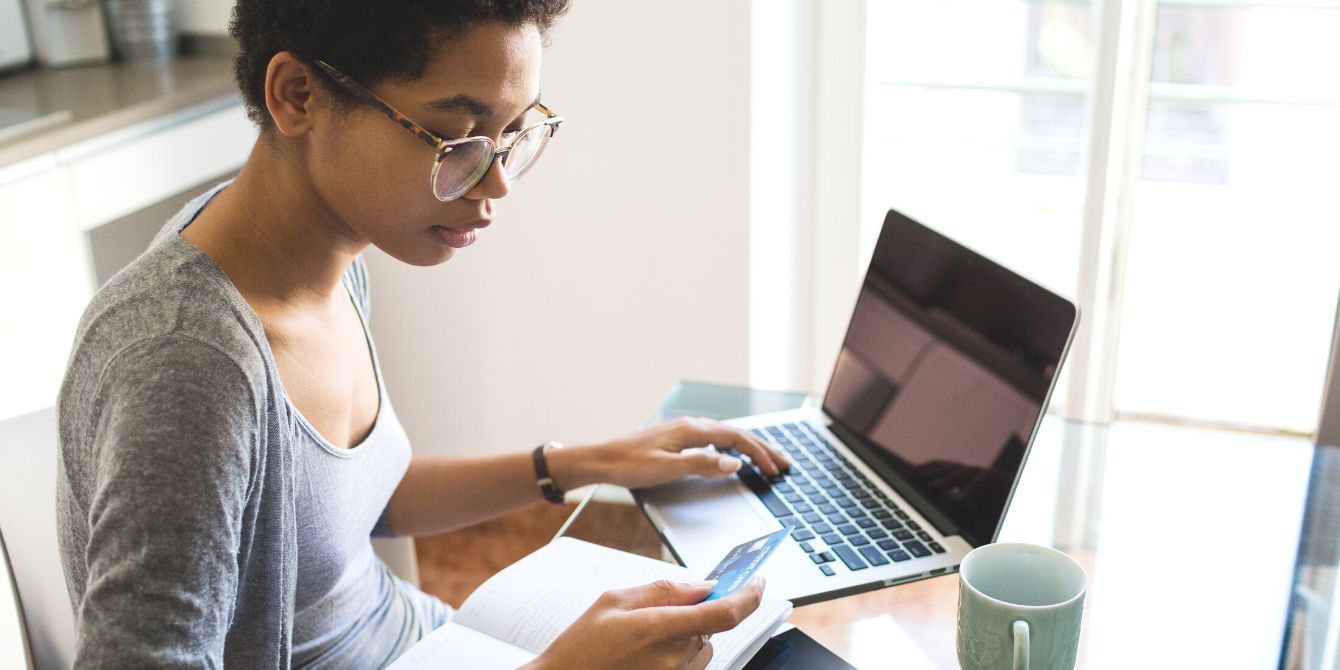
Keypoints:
pixel 656 455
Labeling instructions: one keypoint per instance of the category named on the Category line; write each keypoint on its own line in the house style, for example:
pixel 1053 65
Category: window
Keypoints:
pixel 980 118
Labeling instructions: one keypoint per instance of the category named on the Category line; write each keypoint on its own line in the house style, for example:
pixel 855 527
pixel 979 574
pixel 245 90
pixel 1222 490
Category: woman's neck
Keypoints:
pixel 274 235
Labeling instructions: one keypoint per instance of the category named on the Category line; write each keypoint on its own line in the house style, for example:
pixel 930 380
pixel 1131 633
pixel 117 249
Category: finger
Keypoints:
pixel 702 658
pixel 661 593
pixel 768 458
pixel 713 616
pixel 706 463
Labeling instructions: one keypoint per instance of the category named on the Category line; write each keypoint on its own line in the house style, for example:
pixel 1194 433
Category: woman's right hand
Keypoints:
pixel 656 626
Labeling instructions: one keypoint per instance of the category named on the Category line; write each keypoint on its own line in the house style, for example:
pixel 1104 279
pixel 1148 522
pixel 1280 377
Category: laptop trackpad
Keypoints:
pixel 703 518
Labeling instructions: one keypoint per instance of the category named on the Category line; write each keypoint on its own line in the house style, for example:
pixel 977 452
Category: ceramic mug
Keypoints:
pixel 1019 606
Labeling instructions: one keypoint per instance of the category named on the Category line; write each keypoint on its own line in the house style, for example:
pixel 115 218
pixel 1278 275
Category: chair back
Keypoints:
pixel 28 452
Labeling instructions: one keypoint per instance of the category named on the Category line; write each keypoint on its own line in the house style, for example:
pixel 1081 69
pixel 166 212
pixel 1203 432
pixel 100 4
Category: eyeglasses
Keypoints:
pixel 462 163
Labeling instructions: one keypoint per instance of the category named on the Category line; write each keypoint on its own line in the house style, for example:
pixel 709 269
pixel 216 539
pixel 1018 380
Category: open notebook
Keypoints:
pixel 514 615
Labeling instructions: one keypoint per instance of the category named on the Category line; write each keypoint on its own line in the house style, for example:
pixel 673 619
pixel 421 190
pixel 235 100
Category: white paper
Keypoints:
pixel 461 647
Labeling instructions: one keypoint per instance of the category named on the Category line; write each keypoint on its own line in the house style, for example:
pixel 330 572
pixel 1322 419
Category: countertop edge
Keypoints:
pixel 70 134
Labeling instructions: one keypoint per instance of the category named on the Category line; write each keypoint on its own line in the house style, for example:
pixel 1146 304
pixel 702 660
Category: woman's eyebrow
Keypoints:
pixel 465 104
pixel 460 103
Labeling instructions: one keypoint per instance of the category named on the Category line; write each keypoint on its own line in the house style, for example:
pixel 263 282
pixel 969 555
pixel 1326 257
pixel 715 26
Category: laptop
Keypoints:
pixel 912 458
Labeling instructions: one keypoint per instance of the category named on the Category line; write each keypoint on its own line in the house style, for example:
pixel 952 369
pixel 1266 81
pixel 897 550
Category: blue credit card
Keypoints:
pixel 742 562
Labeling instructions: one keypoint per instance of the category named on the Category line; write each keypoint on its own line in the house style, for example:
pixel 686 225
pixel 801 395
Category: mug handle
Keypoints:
pixel 1021 645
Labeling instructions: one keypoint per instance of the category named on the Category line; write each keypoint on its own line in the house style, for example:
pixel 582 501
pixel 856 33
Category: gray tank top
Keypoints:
pixel 351 611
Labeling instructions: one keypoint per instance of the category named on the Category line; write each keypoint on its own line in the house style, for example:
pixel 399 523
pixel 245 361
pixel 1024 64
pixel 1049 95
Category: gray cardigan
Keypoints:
pixel 175 493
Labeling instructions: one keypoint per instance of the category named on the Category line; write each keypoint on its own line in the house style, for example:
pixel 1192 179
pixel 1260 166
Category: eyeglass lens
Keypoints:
pixel 463 167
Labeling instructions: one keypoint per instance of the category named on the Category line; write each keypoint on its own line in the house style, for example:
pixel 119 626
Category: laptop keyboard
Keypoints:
pixel 836 513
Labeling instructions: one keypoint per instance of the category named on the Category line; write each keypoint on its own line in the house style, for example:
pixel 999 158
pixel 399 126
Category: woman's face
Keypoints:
pixel 374 175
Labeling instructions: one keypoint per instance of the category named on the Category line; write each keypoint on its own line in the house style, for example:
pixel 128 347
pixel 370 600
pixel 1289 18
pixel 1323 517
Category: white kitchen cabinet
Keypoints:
pixel 139 166
pixel 45 269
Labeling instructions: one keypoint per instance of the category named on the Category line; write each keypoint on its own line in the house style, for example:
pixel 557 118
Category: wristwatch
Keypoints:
pixel 548 489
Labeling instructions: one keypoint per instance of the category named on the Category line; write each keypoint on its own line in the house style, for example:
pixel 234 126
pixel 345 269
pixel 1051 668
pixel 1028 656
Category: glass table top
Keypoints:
pixel 1204 548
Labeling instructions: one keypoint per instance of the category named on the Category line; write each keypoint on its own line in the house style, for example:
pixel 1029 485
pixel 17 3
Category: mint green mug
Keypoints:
pixel 1019 606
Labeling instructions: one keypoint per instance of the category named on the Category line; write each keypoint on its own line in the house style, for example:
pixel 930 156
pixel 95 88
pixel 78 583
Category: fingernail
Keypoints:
pixel 762 583
pixel 705 584
pixel 728 464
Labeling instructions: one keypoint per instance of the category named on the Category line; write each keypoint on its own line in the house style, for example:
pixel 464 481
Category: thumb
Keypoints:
pixel 710 464
pixel 663 593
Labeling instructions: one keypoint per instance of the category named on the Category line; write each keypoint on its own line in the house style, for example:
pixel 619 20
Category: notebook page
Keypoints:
pixel 456 646
pixel 532 601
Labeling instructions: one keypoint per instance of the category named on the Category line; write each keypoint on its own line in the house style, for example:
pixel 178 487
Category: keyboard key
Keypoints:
pixel 876 533
pixel 792 521
pixel 858 514
pixel 858 540
pixel 831 539
pixel 837 518
pixel 848 529
pixel 826 509
pixel 865 522
pixel 807 547
pixel 872 554
pixel 811 517
pixel 822 528
pixel 826 557
pixel 847 503
pixel 887 545
pixel 773 503
pixel 803 534
pixel 903 535
pixel 901 515
pixel 803 508
pixel 882 514
pixel 827 570
pixel 793 498
pixel 892 524
pixel 817 558
pixel 862 494
pixel 848 556
pixel 782 488
pixel 917 549
pixel 809 490
pixel 935 547
pixel 899 556
pixel 873 504
pixel 925 537
pixel 913 525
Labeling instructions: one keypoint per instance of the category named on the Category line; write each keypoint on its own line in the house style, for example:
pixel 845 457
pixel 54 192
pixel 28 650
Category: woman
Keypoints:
pixel 227 443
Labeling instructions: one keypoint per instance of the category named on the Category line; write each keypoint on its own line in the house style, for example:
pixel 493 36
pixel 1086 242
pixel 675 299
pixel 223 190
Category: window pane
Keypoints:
pixel 976 126
pixel 1232 274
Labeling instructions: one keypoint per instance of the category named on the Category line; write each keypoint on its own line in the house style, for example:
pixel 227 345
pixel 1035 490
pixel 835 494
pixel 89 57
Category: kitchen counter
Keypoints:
pixel 60 107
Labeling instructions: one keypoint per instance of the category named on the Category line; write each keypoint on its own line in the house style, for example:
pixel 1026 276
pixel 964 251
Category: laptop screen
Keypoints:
pixel 947 364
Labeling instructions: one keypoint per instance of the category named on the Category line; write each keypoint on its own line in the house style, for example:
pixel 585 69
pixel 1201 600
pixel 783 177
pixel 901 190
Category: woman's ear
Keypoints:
pixel 289 86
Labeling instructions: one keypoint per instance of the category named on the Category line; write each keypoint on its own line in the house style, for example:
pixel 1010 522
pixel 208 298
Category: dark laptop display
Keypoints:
pixel 944 371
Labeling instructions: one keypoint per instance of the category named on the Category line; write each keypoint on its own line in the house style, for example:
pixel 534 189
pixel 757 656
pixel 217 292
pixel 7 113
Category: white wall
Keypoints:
pixel 618 266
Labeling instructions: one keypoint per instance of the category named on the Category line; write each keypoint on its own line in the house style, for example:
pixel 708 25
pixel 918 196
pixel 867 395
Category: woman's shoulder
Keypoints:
pixel 171 296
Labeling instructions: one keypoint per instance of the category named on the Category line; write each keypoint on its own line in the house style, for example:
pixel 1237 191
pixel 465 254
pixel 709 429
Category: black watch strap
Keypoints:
pixel 548 489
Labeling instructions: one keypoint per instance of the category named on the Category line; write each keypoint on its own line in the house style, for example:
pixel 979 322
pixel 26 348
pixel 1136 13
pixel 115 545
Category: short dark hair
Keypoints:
pixel 369 40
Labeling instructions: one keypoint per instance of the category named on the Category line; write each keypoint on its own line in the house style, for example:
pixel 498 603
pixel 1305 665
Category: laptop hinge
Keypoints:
pixel 866 452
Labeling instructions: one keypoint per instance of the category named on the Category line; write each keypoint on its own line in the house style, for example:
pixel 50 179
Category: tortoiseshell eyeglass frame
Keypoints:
pixel 444 146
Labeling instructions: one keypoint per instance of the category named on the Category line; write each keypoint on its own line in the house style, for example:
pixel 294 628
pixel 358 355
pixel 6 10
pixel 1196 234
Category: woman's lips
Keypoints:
pixel 456 239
